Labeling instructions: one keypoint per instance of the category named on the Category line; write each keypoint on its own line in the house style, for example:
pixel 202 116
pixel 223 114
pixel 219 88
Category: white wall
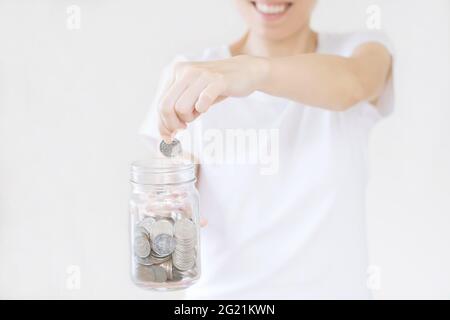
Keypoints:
pixel 71 102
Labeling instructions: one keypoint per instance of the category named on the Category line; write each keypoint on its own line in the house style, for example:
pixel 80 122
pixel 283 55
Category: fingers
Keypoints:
pixel 184 107
pixel 168 115
pixel 209 96
pixel 166 134
pixel 170 120
pixel 192 92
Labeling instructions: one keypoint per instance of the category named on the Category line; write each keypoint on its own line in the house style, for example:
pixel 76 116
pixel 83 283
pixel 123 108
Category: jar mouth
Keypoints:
pixel 158 171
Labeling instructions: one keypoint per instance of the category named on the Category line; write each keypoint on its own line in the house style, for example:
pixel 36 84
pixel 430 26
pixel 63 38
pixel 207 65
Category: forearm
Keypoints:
pixel 327 81
pixel 318 80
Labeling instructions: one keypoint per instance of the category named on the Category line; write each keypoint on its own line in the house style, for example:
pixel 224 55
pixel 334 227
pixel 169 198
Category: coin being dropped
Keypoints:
pixel 172 149
pixel 164 244
pixel 141 246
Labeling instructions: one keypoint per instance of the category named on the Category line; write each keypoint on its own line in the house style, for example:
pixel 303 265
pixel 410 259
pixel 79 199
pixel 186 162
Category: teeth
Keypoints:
pixel 270 8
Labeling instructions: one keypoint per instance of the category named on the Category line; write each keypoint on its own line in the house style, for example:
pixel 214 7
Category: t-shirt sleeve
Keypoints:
pixel 385 102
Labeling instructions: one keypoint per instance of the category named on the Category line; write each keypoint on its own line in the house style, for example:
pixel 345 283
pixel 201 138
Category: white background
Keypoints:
pixel 71 102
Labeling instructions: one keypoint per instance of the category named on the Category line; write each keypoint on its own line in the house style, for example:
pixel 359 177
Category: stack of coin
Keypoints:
pixel 168 266
pixel 178 275
pixel 184 255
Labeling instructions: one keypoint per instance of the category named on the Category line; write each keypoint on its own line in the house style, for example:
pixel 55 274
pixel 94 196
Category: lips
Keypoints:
pixel 274 9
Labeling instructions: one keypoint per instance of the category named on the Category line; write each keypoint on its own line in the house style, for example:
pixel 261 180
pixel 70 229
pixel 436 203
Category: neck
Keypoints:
pixel 303 41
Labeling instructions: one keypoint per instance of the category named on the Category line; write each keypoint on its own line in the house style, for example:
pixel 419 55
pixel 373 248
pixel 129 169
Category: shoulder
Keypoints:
pixel 345 43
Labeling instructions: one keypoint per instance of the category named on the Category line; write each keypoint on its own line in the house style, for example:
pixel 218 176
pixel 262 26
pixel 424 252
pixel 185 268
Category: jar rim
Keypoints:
pixel 157 171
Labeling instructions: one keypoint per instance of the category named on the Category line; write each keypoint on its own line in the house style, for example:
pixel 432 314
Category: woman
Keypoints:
pixel 297 230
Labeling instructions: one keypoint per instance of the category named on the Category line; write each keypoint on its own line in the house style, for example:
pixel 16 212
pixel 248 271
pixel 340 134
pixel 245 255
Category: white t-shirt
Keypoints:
pixel 286 211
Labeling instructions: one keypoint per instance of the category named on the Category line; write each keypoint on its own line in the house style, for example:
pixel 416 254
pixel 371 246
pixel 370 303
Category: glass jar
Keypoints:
pixel 165 224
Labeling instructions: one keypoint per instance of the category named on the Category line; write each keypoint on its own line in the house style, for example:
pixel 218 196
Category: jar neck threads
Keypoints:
pixel 162 171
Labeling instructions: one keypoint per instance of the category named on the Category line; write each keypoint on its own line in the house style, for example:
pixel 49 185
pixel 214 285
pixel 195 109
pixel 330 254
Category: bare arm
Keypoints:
pixel 326 81
pixel 329 81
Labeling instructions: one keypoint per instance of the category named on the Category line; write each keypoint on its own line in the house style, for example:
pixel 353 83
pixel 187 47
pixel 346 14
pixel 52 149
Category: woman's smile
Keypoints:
pixel 270 10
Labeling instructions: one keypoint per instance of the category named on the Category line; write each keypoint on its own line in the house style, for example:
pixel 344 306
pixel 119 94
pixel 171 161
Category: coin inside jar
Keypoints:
pixel 185 229
pixel 163 244
pixel 144 273
pixel 141 246
pixel 156 259
pixel 160 227
pixel 160 273
pixel 147 261
pixel 172 149
pixel 146 224
pixel 168 267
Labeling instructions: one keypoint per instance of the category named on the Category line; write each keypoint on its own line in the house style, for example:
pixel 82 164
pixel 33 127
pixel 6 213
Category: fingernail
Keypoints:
pixel 198 107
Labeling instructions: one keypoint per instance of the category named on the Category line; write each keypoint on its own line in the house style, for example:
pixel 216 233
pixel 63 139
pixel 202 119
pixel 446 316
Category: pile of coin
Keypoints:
pixel 164 248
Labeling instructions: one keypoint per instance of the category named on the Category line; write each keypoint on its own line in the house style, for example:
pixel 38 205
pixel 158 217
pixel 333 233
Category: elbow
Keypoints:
pixel 351 93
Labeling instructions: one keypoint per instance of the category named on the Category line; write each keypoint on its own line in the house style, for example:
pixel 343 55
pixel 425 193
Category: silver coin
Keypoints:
pixel 156 260
pixel 172 149
pixel 146 274
pixel 183 257
pixel 141 231
pixel 184 260
pixel 147 223
pixel 147 261
pixel 184 266
pixel 141 246
pixel 179 275
pixel 159 256
pixel 168 267
pixel 161 226
pixel 163 244
pixel 185 229
pixel 160 273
